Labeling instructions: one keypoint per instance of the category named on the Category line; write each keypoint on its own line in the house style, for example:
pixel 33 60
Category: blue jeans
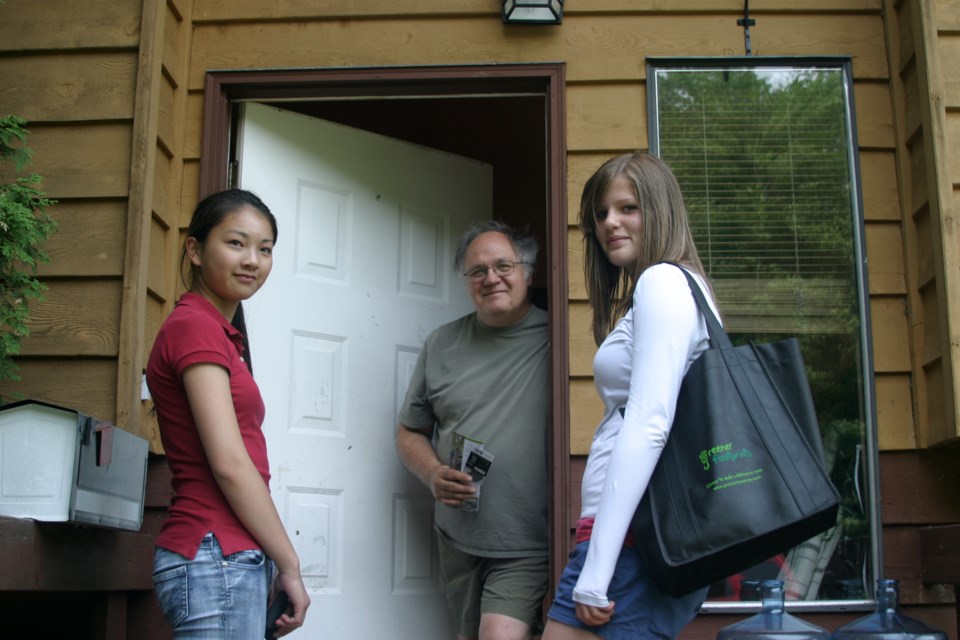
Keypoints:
pixel 213 597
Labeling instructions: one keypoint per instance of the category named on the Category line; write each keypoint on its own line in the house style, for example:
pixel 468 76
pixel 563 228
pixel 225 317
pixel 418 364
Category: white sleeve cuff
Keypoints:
pixel 591 599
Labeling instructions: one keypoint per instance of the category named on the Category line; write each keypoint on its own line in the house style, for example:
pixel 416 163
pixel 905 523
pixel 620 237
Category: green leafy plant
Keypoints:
pixel 23 228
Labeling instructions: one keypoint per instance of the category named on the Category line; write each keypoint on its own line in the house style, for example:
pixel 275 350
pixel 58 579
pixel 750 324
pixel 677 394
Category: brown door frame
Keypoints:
pixel 223 89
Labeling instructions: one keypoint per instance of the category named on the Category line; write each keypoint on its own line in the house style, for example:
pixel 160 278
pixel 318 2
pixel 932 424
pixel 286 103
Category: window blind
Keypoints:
pixel 762 158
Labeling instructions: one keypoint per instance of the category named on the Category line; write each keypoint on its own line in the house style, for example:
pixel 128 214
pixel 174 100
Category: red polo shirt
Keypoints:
pixel 196 332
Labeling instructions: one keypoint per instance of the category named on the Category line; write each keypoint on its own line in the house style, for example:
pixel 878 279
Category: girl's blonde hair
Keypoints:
pixel 665 234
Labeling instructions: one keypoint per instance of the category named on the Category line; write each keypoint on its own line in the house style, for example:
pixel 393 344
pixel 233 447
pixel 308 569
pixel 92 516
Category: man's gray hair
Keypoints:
pixel 524 244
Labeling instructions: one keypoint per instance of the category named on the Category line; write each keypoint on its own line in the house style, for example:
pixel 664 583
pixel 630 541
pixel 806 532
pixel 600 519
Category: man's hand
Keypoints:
pixel 451 487
pixel 448 486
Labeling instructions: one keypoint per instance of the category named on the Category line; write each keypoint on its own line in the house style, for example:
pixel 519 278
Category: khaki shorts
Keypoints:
pixel 475 586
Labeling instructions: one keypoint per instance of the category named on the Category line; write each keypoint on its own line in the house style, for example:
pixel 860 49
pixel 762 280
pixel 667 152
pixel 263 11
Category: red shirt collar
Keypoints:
pixel 197 302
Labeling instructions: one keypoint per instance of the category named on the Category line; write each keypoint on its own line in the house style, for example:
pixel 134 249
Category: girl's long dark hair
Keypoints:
pixel 208 214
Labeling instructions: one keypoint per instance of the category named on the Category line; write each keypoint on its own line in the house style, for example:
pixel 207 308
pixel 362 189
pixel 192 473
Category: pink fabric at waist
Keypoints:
pixel 585 528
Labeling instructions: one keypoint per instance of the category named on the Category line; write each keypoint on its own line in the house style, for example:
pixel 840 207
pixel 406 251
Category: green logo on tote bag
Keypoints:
pixel 722 453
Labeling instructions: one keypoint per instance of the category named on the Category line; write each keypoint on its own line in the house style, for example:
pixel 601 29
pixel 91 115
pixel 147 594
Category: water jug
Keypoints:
pixel 887 623
pixel 773 622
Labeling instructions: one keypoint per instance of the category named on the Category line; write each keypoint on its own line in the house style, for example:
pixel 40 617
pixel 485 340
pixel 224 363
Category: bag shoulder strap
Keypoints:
pixel 718 337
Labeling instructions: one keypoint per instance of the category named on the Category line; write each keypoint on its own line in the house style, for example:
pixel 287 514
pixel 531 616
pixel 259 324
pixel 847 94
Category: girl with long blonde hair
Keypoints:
pixel 636 241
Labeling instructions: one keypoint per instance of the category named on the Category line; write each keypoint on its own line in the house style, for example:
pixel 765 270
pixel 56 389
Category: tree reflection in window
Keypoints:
pixel 764 152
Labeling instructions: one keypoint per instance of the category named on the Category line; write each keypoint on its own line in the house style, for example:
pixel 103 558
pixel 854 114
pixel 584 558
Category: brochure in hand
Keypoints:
pixel 468 455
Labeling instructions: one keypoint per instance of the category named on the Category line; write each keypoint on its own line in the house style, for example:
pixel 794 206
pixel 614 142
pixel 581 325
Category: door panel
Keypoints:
pixel 362 273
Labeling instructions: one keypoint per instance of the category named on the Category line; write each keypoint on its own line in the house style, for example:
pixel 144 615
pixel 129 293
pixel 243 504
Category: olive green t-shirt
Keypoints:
pixel 490 384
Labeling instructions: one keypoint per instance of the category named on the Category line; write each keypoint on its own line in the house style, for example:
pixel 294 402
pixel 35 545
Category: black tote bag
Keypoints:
pixel 742 476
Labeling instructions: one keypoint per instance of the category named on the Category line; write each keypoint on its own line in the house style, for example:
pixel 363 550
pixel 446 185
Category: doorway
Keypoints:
pixel 507 116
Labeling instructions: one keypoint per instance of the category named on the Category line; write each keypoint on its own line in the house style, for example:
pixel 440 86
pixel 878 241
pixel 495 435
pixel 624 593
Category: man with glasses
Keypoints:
pixel 481 382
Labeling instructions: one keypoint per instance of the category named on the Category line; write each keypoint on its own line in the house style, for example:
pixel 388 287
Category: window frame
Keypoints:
pixel 843 64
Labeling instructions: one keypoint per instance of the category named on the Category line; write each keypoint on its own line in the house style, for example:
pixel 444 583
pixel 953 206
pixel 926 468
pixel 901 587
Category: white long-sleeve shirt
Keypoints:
pixel 640 365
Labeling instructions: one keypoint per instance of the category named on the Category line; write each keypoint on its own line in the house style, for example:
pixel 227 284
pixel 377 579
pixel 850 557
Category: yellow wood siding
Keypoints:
pixel 881 198
pixel 894 410
pixel 944 93
pixel 89 239
pixel 59 25
pixel 923 45
pixel 80 318
pixel 594 47
pixel 71 70
pixel 604 47
pixel 69 87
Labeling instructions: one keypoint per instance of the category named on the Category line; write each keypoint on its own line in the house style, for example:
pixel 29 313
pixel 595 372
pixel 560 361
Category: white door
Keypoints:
pixel 362 273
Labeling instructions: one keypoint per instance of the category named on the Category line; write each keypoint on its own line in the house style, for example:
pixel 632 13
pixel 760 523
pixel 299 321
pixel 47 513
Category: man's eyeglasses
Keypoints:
pixel 501 268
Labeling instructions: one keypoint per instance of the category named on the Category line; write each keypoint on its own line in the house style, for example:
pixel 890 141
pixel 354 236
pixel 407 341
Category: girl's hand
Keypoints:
pixel 296 613
pixel 594 616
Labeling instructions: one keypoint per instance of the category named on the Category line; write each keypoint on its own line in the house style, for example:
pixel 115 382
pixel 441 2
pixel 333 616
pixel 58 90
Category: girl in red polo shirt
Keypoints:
pixel 217 550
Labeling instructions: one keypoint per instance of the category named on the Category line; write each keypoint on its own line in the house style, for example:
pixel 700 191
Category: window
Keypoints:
pixel 765 152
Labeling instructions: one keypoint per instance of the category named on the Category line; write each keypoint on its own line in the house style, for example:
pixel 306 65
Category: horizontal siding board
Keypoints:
pixel 913 105
pixel 595 48
pixel 189 193
pixel 885 268
pixel 903 559
pixel 158 276
pixel 878 174
pixel 224 10
pixel 949 52
pixel 154 317
pixel 891 352
pixel 758 7
pixel 951 154
pixel 874 115
pixel 246 10
pixel 57 558
pixel 930 348
pixel 168 127
pixel 68 87
pixel 181 7
pixel 941 554
pixel 905 45
pixel 920 487
pixel 89 240
pixel 919 193
pixel 580 166
pixel 192 125
pixel 164 171
pixel 149 430
pixel 606 117
pixel 75 318
pixel 577 287
pixel 173 46
pixel 948 17
pixel 84 384
pixel 923 249
pixel 586 411
pixel 69 24
pixel 886 284
pixel 89 161
pixel 582 346
pixel 895 424
pixel 939 427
